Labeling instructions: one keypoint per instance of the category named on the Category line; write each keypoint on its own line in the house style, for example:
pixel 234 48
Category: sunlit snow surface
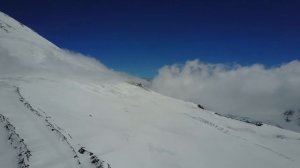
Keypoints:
pixel 128 126
pixel 59 102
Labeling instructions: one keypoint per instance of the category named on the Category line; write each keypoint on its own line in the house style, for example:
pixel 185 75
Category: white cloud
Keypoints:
pixel 253 91
pixel 19 58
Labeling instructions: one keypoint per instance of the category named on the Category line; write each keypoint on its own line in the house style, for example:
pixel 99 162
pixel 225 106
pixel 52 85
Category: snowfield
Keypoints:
pixel 62 110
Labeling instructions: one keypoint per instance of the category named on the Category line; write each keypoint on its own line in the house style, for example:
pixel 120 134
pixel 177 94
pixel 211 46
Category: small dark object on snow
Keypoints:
pixel 95 160
pixel 91 153
pixel 288 114
pixel 139 84
pixel 81 150
pixel 258 123
pixel 199 106
pixel 21 161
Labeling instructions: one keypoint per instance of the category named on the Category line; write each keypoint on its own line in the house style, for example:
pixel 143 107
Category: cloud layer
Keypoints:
pixel 253 91
pixel 22 58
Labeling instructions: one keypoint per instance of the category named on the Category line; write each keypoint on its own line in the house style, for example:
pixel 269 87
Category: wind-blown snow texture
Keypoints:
pixel 71 111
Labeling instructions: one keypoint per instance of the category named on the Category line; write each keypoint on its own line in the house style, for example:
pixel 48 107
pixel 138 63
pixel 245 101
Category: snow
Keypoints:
pixel 128 126
pixel 121 124
pixel 35 133
pixel 8 157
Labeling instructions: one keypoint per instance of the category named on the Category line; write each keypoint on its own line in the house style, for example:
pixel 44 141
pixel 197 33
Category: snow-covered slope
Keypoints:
pixel 24 52
pixel 62 110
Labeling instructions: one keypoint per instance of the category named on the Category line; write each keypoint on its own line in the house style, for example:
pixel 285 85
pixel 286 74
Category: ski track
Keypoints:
pixel 44 148
pixel 227 132
pixel 40 128
pixel 17 143
pixel 66 137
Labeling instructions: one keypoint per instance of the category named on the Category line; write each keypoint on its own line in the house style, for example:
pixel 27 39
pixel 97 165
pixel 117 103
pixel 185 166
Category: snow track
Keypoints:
pixel 48 124
pixel 17 143
pixel 46 143
pixel 65 137
pixel 227 132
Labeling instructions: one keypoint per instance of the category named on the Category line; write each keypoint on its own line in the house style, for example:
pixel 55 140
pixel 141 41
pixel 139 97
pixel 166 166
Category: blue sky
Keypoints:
pixel 139 37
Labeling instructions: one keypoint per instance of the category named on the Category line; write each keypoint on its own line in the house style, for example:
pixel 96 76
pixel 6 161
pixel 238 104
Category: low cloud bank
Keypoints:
pixel 23 59
pixel 252 91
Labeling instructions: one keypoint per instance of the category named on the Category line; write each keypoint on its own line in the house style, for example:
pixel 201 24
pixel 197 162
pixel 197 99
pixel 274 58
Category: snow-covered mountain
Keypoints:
pixel 61 109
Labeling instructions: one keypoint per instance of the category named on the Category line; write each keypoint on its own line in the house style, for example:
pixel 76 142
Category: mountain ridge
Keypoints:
pixel 71 111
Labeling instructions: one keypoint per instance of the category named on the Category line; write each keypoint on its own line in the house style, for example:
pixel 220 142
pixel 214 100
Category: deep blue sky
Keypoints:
pixel 140 36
